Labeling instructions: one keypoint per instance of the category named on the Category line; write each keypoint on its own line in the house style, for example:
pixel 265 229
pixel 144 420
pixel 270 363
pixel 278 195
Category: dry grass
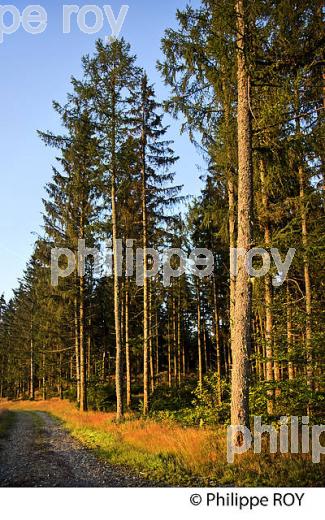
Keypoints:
pixel 191 446
pixel 178 455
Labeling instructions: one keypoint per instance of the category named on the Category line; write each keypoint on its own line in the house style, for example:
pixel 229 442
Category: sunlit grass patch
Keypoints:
pixel 171 454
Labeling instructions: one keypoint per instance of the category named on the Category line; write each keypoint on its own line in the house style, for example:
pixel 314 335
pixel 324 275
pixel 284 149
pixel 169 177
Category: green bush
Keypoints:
pixel 174 398
pixel 208 410
pixel 102 397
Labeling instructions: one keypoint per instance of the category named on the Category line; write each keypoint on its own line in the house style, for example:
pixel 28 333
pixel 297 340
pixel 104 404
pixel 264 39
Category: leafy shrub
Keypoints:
pixel 208 410
pixel 292 399
pixel 102 397
pixel 174 398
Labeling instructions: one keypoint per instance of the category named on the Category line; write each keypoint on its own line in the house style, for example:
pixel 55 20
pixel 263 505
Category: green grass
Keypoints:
pixel 162 468
pixel 7 419
pixel 168 469
pixel 155 458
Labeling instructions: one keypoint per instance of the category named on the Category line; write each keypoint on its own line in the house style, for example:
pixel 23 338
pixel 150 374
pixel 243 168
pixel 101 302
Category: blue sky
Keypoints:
pixel 35 69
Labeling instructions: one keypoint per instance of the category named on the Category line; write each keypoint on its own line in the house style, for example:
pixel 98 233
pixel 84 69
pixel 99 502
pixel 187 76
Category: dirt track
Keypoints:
pixel 38 452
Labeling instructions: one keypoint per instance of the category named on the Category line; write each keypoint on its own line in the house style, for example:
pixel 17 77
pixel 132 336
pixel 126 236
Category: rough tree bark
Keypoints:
pixel 127 346
pixel 199 335
pixel 242 317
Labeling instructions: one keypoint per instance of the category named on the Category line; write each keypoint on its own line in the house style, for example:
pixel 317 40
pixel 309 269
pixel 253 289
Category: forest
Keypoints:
pixel 246 84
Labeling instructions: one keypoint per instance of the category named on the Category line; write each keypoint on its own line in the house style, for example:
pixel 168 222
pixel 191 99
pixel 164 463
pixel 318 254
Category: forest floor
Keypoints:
pixel 51 443
pixel 35 451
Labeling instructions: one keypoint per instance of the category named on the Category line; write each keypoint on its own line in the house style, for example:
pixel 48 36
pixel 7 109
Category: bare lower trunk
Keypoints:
pixel 169 354
pixel 199 336
pixel 60 385
pixel 157 341
pixel 76 346
pixel 44 377
pixel 118 344
pixel 83 375
pixel 179 374
pixel 217 336
pixel 231 210
pixel 174 338
pixel 127 347
pixel 291 371
pixel 183 355
pixel 232 245
pixel 151 361
pixel 32 365
pixel 267 292
pixel 308 291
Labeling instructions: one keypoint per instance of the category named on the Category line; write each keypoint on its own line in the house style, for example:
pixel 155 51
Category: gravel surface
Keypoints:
pixel 38 452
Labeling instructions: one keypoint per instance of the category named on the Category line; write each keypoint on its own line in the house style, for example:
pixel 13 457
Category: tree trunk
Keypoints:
pixel 169 353
pixel 145 279
pixel 232 245
pixel 76 345
pixel 291 371
pixel 308 291
pixel 32 364
pixel 117 310
pixel 152 372
pixel 44 377
pixel 174 337
pixel 82 347
pixel 242 317
pixel 127 347
pixel 179 340
pixel 157 341
pixel 267 293
pixel 89 347
pixel 231 220
pixel 118 345
pixel 199 336
pixel 217 335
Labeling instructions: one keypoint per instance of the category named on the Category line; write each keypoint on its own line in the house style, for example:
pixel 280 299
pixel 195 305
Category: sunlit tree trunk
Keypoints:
pixel 242 318
pixel 179 373
pixel 32 363
pixel 117 310
pixel 305 243
pixel 291 371
pixel 199 335
pixel 217 335
pixel 308 290
pixel 76 346
pixel 83 375
pixel 174 336
pixel 145 279
pixel 267 293
pixel 152 372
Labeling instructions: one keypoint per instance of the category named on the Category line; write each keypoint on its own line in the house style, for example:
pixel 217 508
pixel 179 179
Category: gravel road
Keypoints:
pixel 38 452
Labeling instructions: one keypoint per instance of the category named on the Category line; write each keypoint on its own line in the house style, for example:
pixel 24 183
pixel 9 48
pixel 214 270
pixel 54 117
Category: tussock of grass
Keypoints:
pixel 175 455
